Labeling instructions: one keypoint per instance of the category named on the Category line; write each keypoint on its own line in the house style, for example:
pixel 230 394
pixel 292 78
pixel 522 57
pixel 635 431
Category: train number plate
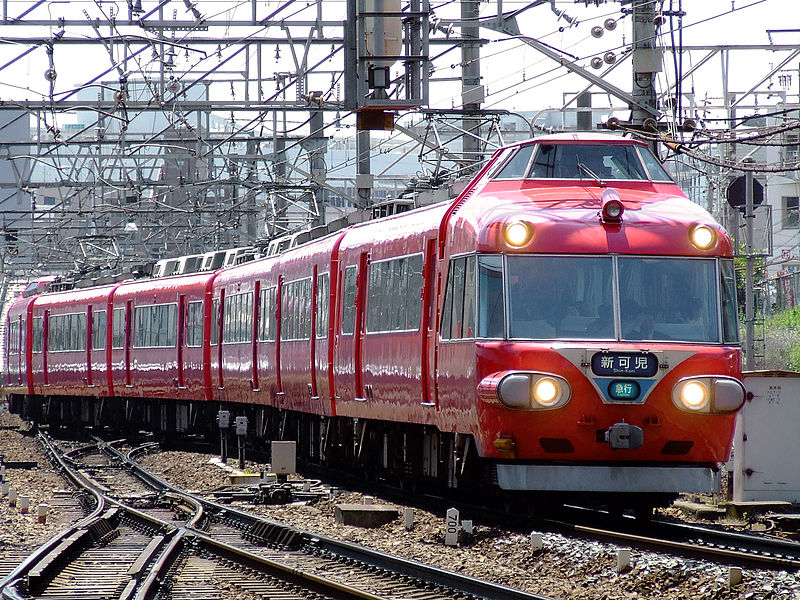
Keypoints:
pixel 624 364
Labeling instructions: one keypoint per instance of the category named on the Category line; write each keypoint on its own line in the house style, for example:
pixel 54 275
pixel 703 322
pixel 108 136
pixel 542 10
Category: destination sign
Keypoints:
pixel 624 364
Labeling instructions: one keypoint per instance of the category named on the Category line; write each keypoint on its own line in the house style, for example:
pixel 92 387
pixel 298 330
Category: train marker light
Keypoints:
pixel 702 237
pixel 518 233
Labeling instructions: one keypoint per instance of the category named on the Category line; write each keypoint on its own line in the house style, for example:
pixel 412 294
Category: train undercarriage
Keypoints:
pixel 409 456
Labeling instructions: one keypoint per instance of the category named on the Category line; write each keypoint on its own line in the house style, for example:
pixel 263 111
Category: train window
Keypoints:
pixel 38 334
pixel 296 310
pixel 567 297
pixel 268 324
pixel 349 299
pixel 654 168
pixel 491 308
pixel 668 299
pixel 323 305
pixel 194 324
pixel 118 329
pixel 13 337
pixel 214 321
pixel 67 332
pixel 730 312
pixel 98 330
pixel 586 161
pixel 395 294
pixel 237 323
pixel 518 165
pixel 155 326
pixel 458 320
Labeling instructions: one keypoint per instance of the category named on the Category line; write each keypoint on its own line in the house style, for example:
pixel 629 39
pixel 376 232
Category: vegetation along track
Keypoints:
pixel 142 542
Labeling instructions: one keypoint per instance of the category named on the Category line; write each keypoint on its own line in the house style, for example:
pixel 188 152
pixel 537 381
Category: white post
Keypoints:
pixel 734 576
pixel 368 500
pixel 536 541
pixel 623 559
pixel 408 518
pixel 12 497
pixel 24 504
pixel 41 513
pixel 451 527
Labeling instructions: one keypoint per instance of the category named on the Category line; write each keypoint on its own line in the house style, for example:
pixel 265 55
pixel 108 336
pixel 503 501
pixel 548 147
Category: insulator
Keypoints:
pixel 597 31
pixel 689 125
pixel 50 74
pixel 596 62
pixel 610 57
pixel 650 125
pixel 610 24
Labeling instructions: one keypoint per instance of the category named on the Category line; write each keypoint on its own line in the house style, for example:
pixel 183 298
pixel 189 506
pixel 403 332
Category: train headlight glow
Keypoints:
pixel 527 391
pixel 546 392
pixel 709 394
pixel 694 395
pixel 518 234
pixel 703 237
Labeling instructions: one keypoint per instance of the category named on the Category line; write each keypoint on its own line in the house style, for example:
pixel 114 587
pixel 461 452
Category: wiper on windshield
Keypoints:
pixel 591 174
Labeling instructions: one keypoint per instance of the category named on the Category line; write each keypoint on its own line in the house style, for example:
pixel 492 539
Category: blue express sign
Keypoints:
pixel 624 364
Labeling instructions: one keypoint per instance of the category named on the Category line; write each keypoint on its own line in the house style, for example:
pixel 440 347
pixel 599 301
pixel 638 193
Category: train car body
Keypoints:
pixel 567 324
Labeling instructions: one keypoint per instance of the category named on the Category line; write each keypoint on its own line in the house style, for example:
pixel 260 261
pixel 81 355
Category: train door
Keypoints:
pixel 321 313
pixel 181 340
pixel 88 343
pixel 45 346
pixel 128 342
pixel 429 338
pixel 255 383
pixel 349 385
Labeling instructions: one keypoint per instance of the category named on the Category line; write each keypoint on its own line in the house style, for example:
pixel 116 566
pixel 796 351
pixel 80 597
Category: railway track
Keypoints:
pixel 177 544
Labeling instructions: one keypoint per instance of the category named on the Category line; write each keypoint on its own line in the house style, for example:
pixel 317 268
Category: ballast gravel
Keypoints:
pixel 568 568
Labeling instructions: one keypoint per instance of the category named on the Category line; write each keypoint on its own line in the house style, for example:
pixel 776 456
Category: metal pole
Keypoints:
pixel 749 312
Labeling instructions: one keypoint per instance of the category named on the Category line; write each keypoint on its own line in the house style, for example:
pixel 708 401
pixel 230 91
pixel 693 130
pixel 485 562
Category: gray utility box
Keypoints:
pixel 766 444
pixel 283 457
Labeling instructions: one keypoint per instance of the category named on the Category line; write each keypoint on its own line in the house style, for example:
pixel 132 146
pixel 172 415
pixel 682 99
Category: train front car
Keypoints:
pixel 604 322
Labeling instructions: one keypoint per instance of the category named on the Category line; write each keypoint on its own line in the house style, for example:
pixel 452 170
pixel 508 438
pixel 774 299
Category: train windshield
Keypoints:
pixel 627 298
pixel 601 162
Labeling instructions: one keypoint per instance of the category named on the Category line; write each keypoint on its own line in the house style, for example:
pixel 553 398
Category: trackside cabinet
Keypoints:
pixel 766 442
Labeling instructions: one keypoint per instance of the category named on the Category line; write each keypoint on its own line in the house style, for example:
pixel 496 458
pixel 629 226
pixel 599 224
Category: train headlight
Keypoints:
pixel 708 395
pixel 527 391
pixel 694 395
pixel 546 392
pixel 703 237
pixel 518 234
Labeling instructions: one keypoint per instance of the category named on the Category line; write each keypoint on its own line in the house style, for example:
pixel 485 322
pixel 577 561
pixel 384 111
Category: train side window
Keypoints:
pixel 458 319
pixel 155 326
pixel 730 312
pixel 413 294
pixel 118 329
pixel 38 334
pixel 268 324
pixel 349 299
pixel 491 308
pixel 214 321
pixel 172 325
pixel 323 297
pixel 375 292
pixel 238 320
pixel 518 165
pixel 98 330
pixel 13 337
pixel 296 310
pixel 194 324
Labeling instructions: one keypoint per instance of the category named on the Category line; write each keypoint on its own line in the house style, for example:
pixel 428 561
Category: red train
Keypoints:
pixel 567 324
